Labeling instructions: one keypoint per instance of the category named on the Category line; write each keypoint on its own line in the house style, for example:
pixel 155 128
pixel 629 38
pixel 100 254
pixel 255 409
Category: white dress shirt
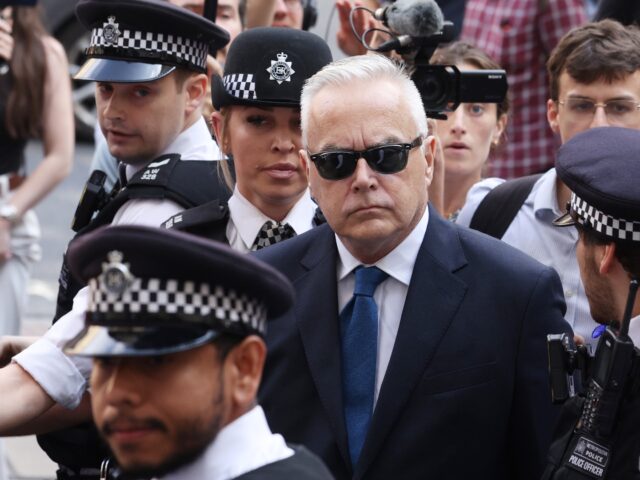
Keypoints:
pixel 634 331
pixel 533 233
pixel 390 294
pixel 246 220
pixel 194 144
pixel 241 447
pixel 65 378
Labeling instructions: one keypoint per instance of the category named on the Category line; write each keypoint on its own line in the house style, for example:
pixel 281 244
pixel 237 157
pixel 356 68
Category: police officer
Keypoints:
pixel 600 437
pixel 178 353
pixel 42 374
pixel 148 58
pixel 257 123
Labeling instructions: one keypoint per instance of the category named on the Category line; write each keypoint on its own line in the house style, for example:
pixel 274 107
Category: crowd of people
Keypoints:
pixel 293 275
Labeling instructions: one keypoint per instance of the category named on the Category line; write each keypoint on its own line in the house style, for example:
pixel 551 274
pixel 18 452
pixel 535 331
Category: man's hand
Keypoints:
pixel 347 41
pixel 13 345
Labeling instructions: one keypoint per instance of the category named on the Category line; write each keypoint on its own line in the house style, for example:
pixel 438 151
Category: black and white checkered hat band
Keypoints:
pixel 240 85
pixel 179 298
pixel 616 228
pixel 184 49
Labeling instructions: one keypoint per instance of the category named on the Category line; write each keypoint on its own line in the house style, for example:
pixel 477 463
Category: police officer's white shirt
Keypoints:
pixel 390 294
pixel 533 233
pixel 634 331
pixel 65 378
pixel 245 220
pixel 244 445
pixel 194 144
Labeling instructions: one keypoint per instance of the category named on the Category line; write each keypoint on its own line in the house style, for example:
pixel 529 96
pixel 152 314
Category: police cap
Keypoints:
pixel 602 168
pixel 154 291
pixel 268 66
pixel 144 40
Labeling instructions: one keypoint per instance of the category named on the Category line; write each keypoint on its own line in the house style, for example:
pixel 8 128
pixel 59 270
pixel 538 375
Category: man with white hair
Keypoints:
pixel 417 349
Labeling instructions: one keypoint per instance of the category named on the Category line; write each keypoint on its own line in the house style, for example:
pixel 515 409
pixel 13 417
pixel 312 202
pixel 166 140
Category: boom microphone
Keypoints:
pixel 416 18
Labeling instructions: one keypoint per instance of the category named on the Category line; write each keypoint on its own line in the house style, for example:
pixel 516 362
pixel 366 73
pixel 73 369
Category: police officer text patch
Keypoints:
pixel 588 457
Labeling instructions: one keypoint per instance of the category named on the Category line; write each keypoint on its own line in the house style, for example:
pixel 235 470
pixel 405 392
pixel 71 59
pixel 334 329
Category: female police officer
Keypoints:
pixel 257 124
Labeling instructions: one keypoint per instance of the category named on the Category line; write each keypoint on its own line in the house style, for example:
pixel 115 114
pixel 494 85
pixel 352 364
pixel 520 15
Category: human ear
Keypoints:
pixel 217 124
pixel 500 126
pixel 196 89
pixel 245 363
pixel 607 256
pixel 430 149
pixel 552 115
pixel 304 161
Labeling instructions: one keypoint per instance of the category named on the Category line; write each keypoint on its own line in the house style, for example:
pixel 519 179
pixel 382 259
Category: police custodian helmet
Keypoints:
pixel 601 166
pixel 144 40
pixel 154 291
pixel 268 66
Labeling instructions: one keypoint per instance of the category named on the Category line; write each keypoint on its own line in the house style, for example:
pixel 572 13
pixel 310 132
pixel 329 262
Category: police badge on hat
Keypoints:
pixel 280 70
pixel 148 41
pixel 200 290
pixel 268 66
pixel 116 277
pixel 110 30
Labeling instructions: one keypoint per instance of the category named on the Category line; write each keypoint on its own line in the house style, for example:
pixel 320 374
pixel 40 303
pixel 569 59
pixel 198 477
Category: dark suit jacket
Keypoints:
pixel 466 393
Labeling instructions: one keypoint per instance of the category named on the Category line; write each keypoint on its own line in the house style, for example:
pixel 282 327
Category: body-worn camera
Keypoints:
pixel 93 198
pixel 569 367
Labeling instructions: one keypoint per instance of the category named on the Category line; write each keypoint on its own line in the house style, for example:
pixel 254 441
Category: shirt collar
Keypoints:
pixel 546 196
pixel 240 447
pixel 194 143
pixel 398 263
pixel 248 220
pixel 634 330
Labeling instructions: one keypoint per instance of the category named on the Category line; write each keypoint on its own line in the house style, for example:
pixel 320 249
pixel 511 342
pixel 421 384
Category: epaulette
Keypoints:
pixel 208 220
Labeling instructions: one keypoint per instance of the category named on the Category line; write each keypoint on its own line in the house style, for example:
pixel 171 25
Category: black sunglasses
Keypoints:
pixel 339 164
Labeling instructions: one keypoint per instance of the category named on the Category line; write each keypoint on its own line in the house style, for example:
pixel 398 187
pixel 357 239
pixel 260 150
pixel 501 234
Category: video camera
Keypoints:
pixel 417 28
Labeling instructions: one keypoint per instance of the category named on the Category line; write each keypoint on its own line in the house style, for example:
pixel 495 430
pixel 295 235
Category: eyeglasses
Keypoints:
pixel 619 112
pixel 388 158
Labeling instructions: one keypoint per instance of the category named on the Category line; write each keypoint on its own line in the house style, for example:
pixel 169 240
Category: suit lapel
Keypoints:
pixel 317 316
pixel 433 298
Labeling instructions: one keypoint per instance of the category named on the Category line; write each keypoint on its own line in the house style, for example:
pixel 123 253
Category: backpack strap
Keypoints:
pixel 501 205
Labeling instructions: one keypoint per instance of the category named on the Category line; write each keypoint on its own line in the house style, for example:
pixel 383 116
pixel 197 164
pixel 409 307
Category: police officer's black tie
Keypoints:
pixel 272 233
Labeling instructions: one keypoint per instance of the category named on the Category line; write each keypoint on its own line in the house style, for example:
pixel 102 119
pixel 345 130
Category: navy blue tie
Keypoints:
pixel 359 327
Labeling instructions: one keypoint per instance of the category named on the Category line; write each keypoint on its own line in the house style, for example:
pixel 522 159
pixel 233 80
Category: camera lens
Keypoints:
pixel 435 84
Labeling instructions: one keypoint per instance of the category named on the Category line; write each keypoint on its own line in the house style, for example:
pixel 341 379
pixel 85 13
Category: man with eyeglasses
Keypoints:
pixel 595 82
pixel 416 348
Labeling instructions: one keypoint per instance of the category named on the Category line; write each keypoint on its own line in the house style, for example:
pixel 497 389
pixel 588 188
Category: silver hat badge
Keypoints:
pixel 116 277
pixel 110 30
pixel 280 70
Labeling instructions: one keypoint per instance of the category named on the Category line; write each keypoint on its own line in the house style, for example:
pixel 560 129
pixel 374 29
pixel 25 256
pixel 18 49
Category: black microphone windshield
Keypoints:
pixel 417 18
